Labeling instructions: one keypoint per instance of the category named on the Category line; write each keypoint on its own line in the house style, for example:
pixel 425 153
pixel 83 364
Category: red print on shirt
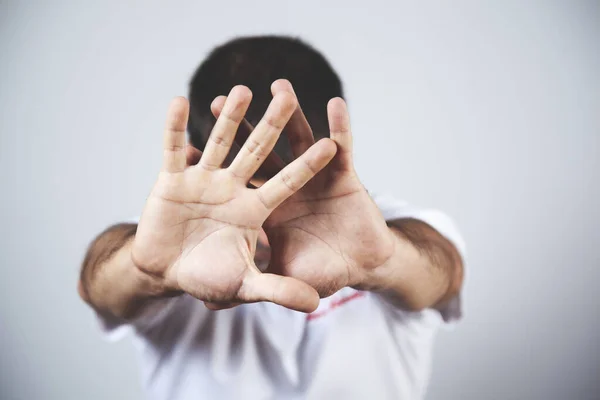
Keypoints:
pixel 334 304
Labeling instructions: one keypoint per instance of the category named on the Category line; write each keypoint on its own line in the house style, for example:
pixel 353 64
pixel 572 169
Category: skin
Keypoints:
pixel 323 229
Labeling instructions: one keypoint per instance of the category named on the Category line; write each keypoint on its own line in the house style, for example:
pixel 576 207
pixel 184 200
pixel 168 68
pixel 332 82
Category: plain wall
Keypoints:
pixel 486 110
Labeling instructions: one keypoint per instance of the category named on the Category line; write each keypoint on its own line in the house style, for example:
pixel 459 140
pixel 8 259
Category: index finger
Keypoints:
pixel 272 164
pixel 294 176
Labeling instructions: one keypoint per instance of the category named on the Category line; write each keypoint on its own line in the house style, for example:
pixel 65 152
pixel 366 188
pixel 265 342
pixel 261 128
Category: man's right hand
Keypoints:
pixel 200 225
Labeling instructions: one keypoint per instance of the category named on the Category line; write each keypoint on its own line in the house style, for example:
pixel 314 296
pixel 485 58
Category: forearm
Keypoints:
pixel 110 282
pixel 425 269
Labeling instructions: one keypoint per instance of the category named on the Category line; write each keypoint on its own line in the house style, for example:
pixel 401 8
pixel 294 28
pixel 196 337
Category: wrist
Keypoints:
pixel 416 276
pixel 149 285
pixel 403 279
pixel 137 286
pixel 392 258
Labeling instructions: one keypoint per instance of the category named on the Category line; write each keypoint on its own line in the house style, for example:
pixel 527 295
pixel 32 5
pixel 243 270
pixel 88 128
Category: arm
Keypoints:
pixel 425 269
pixel 110 282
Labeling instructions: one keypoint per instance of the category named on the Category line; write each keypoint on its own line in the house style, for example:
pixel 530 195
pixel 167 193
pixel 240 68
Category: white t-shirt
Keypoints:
pixel 355 345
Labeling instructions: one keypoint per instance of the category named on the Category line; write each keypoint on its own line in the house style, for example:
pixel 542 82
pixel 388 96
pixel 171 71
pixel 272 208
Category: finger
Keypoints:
pixel 174 136
pixel 192 155
pixel 244 129
pixel 263 138
pixel 296 174
pixel 223 133
pixel 297 130
pixel 272 165
pixel 283 290
pixel 339 126
pixel 217 105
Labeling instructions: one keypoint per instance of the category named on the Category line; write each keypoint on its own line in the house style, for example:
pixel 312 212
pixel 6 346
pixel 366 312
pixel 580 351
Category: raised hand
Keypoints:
pixel 330 233
pixel 200 225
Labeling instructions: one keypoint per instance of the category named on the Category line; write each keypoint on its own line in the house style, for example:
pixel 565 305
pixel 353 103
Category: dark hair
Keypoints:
pixel 257 62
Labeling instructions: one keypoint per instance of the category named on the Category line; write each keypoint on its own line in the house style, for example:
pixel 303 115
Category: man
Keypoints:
pixel 256 274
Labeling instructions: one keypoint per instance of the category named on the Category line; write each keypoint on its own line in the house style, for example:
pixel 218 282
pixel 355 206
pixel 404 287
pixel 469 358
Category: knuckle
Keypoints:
pixel 308 165
pixel 219 140
pixel 230 117
pixel 207 166
pixel 262 199
pixel 289 182
pixel 275 121
pixel 173 148
pixel 254 147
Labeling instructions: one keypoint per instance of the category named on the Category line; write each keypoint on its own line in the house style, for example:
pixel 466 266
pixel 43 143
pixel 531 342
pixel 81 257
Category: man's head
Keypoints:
pixel 257 62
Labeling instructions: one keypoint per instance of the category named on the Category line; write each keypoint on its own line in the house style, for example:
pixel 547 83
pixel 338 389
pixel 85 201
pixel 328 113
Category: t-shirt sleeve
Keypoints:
pixel 395 209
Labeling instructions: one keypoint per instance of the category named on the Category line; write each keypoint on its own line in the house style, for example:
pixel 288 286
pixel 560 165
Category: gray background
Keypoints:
pixel 487 110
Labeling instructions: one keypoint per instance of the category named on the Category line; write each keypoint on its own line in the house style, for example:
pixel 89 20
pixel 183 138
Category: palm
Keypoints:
pixel 194 218
pixel 330 233
pixel 324 233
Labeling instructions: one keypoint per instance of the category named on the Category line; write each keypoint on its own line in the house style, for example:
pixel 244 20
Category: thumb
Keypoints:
pixel 283 290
